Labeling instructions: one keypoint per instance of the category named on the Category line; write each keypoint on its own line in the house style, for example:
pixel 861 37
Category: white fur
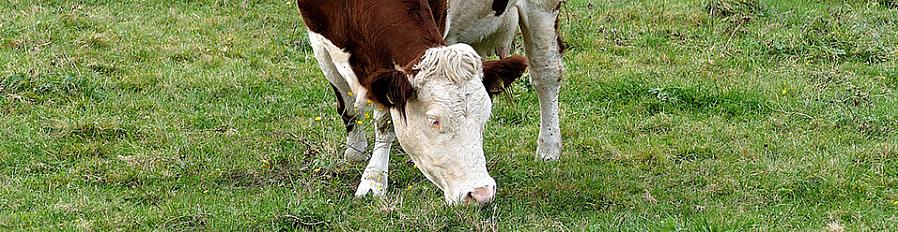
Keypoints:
pixel 339 59
pixel 449 88
pixel 331 60
pixel 473 22
pixel 458 62
pixel 546 72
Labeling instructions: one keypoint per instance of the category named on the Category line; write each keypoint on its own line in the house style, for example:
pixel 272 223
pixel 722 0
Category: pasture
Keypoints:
pixel 213 115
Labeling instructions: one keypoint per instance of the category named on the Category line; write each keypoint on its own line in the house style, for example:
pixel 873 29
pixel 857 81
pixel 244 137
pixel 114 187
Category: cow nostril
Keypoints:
pixel 482 195
pixel 469 198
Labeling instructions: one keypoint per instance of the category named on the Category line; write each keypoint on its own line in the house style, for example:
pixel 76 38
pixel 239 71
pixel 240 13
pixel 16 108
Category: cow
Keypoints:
pixel 429 88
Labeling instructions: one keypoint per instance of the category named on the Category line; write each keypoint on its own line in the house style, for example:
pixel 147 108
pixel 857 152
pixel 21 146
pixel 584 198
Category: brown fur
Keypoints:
pixel 499 74
pixel 376 33
pixel 439 9
pixel 390 88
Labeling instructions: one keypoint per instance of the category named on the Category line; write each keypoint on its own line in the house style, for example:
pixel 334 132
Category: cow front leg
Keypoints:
pixel 346 103
pixel 374 179
pixel 544 48
pixel 356 141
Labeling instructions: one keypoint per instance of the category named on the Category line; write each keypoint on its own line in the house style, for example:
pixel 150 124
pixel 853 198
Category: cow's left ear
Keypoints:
pixel 499 74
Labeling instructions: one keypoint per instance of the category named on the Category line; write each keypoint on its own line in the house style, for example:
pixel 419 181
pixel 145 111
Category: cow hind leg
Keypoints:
pixel 374 179
pixel 543 45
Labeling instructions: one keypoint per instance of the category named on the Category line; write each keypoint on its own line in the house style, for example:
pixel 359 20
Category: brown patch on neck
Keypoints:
pixel 439 10
pixel 390 88
pixel 378 34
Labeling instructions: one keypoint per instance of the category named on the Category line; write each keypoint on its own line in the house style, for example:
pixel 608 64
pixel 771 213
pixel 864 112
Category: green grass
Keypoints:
pixel 181 115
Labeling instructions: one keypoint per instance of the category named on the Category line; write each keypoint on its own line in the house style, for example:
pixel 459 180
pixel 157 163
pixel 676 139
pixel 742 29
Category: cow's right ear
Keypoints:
pixel 390 88
pixel 499 74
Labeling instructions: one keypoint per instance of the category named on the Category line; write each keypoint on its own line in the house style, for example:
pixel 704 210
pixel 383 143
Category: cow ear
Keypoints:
pixel 390 88
pixel 499 74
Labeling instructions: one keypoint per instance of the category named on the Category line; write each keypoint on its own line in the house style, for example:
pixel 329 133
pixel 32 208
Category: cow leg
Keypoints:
pixel 374 179
pixel 543 45
pixel 356 141
pixel 355 138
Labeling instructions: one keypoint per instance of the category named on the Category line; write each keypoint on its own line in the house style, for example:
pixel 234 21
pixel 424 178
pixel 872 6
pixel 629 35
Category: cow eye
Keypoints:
pixel 434 122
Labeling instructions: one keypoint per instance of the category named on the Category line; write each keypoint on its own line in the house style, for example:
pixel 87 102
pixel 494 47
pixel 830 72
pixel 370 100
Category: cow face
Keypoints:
pixel 440 112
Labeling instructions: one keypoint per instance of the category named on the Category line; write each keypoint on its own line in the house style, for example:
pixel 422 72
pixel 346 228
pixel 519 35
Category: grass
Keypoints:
pixel 183 115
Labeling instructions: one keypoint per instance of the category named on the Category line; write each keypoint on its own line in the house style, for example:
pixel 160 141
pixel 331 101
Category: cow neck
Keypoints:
pixel 408 45
pixel 378 34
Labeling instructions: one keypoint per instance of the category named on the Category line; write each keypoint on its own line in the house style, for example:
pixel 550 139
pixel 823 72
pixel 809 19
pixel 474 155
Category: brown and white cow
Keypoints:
pixel 400 55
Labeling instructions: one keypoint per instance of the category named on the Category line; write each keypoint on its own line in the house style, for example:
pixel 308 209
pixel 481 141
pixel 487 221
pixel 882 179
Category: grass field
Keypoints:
pixel 676 115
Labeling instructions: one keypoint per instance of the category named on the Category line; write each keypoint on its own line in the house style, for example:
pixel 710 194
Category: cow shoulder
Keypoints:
pixel 314 14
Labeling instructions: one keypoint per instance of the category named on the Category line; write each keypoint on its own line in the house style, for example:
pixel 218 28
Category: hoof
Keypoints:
pixel 549 151
pixel 374 182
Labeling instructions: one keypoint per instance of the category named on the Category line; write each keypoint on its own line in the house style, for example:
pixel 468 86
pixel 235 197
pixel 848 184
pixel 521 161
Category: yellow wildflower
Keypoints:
pixel 367 115
pixel 359 122
pixel 349 93
pixel 318 118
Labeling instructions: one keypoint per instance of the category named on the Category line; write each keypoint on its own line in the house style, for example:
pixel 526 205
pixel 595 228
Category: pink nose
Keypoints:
pixel 483 195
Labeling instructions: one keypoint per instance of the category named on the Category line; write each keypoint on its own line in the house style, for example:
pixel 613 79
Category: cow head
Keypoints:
pixel 439 114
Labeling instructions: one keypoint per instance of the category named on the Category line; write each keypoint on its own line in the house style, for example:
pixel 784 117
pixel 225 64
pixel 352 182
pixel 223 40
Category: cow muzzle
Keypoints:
pixel 481 195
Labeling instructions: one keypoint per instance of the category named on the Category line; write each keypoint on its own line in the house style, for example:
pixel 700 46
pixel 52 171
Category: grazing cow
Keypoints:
pixel 392 53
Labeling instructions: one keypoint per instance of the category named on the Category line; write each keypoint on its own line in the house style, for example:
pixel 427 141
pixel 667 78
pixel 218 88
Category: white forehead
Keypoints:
pixel 456 64
pixel 449 74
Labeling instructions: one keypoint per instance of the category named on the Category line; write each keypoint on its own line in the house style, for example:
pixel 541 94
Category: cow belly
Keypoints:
pixel 477 25
pixel 340 60
pixel 473 31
